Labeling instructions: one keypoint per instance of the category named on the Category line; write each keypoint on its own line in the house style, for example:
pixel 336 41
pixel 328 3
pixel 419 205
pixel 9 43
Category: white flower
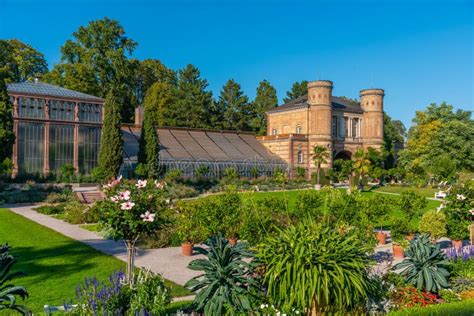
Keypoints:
pixel 472 211
pixel 460 197
pixel 160 184
pixel 148 217
pixel 124 196
pixel 141 184
pixel 168 201
pixel 262 306
pixel 127 205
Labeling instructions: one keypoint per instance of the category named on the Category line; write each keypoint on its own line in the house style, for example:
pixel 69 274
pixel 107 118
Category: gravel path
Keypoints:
pixel 166 261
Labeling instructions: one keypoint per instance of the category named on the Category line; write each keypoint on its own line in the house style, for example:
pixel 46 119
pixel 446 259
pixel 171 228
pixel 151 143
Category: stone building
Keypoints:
pixel 319 118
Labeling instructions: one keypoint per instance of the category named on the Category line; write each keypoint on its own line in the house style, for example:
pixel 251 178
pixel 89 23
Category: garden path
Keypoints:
pixel 166 261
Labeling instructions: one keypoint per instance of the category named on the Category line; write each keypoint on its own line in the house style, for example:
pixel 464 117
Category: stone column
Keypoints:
pixel 76 138
pixel 46 139
pixel 15 132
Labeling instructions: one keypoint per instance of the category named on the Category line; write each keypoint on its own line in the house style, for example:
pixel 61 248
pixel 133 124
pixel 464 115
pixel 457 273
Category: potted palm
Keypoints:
pixel 320 156
pixel 398 231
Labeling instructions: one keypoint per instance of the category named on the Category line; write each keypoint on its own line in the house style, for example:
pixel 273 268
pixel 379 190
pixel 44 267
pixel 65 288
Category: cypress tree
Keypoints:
pixel 111 149
pixel 151 146
pixel 265 99
pixel 7 137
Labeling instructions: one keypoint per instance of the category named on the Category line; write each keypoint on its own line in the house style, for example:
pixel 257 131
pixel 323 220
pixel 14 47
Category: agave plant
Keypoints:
pixel 425 265
pixel 9 292
pixel 225 285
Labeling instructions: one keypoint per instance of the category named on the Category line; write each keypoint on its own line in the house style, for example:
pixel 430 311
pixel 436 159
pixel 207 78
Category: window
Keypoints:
pixel 346 127
pixel 334 126
pixel 30 107
pixel 300 157
pixel 355 127
pixel 299 130
pixel 30 147
pixel 61 110
pixel 274 131
pixel 89 142
pixel 89 112
pixel 61 145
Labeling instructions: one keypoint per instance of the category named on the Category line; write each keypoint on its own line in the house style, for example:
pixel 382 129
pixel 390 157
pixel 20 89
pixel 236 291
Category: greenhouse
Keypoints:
pixel 189 149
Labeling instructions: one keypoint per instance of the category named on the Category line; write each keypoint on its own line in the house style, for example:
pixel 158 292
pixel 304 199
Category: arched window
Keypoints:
pixel 300 157
pixel 299 130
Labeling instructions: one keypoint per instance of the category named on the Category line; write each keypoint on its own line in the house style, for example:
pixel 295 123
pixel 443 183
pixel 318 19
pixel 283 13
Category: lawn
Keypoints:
pixel 426 192
pixel 54 263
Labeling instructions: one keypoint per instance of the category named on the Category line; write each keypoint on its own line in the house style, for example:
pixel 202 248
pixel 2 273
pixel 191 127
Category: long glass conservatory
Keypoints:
pixel 54 126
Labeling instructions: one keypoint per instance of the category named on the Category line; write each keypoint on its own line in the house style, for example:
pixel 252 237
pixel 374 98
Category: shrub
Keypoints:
pixel 190 226
pixel 181 191
pixel 409 296
pixel 449 296
pixel 412 203
pixel 463 268
pixel 300 172
pixel 66 172
pixel 460 284
pixel 311 266
pixel 425 265
pixel 459 202
pixel 173 175
pixel 93 213
pixel 231 174
pixel 149 295
pixel 433 223
pixel 308 203
pixel 141 170
pixel 398 231
pixel 202 171
pixel 51 209
pixel 224 287
pixel 9 292
pixel 74 213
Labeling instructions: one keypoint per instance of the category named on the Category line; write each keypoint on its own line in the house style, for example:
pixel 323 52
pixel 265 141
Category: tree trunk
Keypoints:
pixel 130 244
pixel 317 176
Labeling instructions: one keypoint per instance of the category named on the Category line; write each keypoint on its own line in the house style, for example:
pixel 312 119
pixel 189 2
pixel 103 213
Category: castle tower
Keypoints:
pixel 320 116
pixel 371 101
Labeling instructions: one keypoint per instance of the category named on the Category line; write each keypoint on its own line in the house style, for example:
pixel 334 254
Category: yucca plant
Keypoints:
pixel 425 265
pixel 8 291
pixel 225 285
pixel 314 268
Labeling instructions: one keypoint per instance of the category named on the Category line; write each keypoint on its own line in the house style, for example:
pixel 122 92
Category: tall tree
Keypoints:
pixel 361 164
pixel 96 60
pixel 236 110
pixel 265 100
pixel 158 100
pixel 320 156
pixel 146 73
pixel 20 62
pixel 7 137
pixel 393 133
pixel 111 148
pixel 193 102
pixel 299 88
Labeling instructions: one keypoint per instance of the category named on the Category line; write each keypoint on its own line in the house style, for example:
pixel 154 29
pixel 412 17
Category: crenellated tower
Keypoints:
pixel 371 101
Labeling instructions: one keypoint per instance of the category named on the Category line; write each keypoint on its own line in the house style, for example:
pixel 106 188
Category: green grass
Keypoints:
pixel 176 306
pixel 426 192
pixel 54 263
pixel 91 227
pixel 463 308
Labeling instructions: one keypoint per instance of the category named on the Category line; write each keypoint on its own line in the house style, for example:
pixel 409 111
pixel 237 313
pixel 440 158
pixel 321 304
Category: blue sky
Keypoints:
pixel 418 51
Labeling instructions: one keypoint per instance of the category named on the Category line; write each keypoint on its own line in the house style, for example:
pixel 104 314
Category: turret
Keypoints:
pixel 371 101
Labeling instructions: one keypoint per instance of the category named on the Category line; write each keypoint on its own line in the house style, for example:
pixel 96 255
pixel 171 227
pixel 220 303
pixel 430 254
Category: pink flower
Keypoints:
pixel 114 199
pixel 141 184
pixel 127 205
pixel 148 217
pixel 160 184
pixel 124 196
pixel 472 211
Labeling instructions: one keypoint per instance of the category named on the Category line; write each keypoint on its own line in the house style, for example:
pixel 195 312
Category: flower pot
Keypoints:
pixel 317 187
pixel 381 238
pixel 233 241
pixel 457 244
pixel 187 249
pixel 410 237
pixel 398 252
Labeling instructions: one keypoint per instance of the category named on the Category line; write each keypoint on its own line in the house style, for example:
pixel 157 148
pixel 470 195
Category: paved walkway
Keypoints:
pixel 167 261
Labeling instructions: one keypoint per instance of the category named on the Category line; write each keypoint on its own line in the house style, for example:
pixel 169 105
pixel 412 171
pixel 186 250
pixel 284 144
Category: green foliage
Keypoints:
pixel 173 174
pixel 280 176
pixel 463 268
pixel 225 285
pixel 20 62
pixel 342 169
pixel 51 209
pixel 412 203
pixel 150 144
pixel 433 223
pixel 399 228
pixel 141 170
pixel 75 213
pixel 236 110
pixel 320 155
pixel 6 167
pixel 265 99
pixel 230 174
pixel 7 137
pixel 393 133
pixel 300 172
pixel 110 155
pixel 8 291
pixel 425 265
pixel 463 308
pixel 361 164
pixel 149 293
pixel 148 72
pixel 202 171
pixel 297 90
pixel 459 202
pixel 67 172
pixel 449 296
pixel 312 266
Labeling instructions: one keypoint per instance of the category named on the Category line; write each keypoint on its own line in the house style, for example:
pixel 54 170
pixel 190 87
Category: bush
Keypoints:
pixel 412 203
pixel 51 209
pixel 449 296
pixel 141 170
pixel 66 172
pixel 149 295
pixel 93 213
pixel 181 191
pixel 74 213
pixel 409 296
pixel 459 202
pixel 433 223
pixel 173 175
pixel 65 195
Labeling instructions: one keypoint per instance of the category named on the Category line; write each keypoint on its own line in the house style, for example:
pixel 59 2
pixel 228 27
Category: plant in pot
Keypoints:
pixel 460 201
pixel 398 231
pixel 458 231
pixel 377 208
pixel 189 228
pixel 433 223
pixel 230 219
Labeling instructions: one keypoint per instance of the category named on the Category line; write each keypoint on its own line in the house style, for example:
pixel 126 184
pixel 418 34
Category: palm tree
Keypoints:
pixel 361 164
pixel 320 155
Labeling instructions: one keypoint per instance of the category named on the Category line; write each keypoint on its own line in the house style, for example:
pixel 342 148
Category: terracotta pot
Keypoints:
pixel 411 237
pixel 381 238
pixel 187 249
pixel 398 252
pixel 457 244
pixel 233 241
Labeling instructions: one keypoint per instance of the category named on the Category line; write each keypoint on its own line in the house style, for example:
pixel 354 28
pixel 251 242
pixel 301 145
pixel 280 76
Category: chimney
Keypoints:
pixel 139 115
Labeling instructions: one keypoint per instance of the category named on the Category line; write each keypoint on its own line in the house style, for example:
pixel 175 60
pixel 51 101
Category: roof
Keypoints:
pixel 338 103
pixel 46 89
pixel 179 144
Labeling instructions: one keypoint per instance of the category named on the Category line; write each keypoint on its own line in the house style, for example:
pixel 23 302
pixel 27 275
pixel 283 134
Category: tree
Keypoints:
pixel 111 149
pixel 21 62
pixel 265 100
pixel 320 156
pixel 393 133
pixel 191 108
pixel 237 111
pixel 95 61
pixel 361 165
pixel 7 137
pixel 148 72
pixel 297 90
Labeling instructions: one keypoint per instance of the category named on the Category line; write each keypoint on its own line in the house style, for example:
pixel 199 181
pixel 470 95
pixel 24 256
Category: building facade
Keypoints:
pixel 54 126
pixel 319 118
